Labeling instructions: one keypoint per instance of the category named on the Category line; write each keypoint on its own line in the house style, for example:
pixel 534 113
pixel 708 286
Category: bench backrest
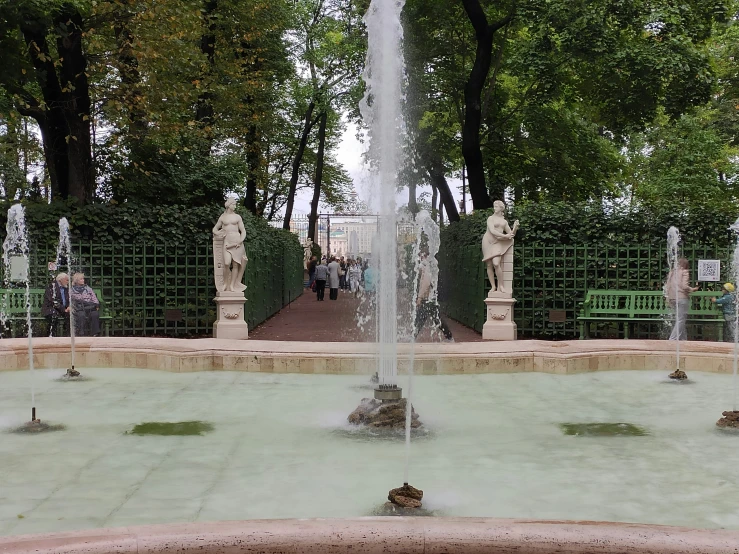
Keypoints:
pixel 13 301
pixel 644 303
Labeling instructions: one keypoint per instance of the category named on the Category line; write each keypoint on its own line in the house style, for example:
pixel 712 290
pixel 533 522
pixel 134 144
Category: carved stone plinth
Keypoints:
pixel 230 323
pixel 499 324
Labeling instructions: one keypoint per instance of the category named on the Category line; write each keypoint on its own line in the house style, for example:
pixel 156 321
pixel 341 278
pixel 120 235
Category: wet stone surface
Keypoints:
pixel 678 375
pixel 37 427
pixel 730 420
pixel 388 414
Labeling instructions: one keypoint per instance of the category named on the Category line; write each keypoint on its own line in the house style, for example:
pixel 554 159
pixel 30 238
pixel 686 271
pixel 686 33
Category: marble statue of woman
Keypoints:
pixel 497 243
pixel 228 237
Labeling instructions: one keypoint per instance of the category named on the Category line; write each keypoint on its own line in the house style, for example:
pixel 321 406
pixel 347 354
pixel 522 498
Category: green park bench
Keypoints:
pixel 633 306
pixel 13 304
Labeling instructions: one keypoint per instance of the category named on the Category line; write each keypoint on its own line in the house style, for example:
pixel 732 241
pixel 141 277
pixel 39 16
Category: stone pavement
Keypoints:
pixel 306 319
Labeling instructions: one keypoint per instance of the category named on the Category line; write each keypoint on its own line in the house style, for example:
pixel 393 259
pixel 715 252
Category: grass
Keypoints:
pixel 167 428
pixel 603 430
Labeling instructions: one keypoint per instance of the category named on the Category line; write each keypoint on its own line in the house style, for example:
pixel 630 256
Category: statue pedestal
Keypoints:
pixel 499 324
pixel 230 323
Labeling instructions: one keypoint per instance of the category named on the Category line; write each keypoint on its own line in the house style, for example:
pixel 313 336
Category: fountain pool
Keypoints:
pixel 279 449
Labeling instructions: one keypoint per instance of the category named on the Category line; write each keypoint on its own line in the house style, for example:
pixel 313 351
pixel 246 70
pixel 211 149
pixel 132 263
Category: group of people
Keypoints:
pixel 60 298
pixel 348 275
pixel 358 276
pixel 678 290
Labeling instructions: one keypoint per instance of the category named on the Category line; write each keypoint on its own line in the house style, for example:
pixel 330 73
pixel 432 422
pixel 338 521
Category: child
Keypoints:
pixel 727 306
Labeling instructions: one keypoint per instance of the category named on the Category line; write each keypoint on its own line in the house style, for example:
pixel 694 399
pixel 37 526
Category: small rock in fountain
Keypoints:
pixel 406 496
pixel 730 419
pixel 678 374
pixel 72 373
pixel 388 414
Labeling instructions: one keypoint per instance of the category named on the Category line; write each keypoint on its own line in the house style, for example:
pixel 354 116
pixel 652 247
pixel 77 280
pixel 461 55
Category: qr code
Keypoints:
pixel 709 270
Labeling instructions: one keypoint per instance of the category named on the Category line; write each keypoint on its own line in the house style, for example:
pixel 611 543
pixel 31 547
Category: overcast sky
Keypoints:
pixel 350 156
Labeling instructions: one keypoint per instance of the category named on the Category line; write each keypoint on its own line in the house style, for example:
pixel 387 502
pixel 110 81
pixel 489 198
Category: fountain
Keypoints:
pixel 15 261
pixel 671 292
pixel 730 418
pixel 381 110
pixel 64 251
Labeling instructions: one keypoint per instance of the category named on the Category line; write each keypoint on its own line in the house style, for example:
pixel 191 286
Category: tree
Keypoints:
pixel 49 83
pixel 331 40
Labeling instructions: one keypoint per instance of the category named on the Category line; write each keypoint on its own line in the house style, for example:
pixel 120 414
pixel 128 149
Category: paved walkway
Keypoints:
pixel 306 319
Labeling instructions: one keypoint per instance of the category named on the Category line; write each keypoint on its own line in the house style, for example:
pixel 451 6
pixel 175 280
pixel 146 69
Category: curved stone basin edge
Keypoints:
pixel 186 355
pixel 389 534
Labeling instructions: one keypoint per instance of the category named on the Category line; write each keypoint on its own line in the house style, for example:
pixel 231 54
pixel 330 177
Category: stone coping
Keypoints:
pixel 372 535
pixel 181 355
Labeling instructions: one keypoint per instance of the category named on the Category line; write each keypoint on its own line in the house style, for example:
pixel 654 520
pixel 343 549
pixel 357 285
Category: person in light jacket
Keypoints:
pixel 677 290
pixel 333 279
pixel 321 276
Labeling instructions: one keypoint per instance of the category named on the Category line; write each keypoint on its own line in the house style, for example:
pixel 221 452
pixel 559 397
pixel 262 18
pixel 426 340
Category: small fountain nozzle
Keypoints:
pixel 388 392
pixel 33 414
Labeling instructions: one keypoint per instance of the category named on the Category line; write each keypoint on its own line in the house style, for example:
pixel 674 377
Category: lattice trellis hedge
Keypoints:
pixel 557 278
pixel 147 285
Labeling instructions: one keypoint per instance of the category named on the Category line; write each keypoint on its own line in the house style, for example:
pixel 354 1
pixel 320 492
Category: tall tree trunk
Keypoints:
pixel 434 200
pixel 252 180
pixel 471 151
pixel 77 112
pixel 313 218
pixel 412 201
pixel 296 165
pixel 438 180
pixel 497 190
pixel 204 108
pixel 128 69
pixel 50 118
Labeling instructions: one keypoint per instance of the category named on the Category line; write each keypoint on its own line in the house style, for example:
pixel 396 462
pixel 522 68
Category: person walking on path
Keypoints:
pixel 426 304
pixel 312 264
pixel 333 279
pixel 355 274
pixel 321 276
pixel 677 291
pixel 726 303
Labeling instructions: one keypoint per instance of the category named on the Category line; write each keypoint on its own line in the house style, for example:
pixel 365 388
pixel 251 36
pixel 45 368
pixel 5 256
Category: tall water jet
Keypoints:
pixel 381 110
pixel 15 260
pixel 64 252
pixel 671 291
pixel 731 418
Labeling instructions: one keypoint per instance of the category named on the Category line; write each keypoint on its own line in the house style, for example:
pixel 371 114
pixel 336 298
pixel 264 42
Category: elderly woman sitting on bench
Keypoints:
pixel 85 308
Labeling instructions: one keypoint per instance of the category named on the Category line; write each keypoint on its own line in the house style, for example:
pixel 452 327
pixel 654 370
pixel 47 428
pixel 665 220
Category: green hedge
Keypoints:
pixel 594 223
pixel 152 262
pixel 563 250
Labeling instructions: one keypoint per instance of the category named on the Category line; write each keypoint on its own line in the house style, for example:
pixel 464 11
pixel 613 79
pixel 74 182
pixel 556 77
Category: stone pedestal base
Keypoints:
pixel 499 324
pixel 230 323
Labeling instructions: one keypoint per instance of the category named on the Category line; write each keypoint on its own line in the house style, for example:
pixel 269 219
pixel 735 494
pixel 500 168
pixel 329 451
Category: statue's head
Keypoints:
pixel 230 202
pixel 499 206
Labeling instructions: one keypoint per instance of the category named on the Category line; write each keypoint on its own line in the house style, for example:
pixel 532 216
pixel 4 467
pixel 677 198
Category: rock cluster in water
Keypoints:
pixel 389 414
pixel 678 374
pixel 406 496
pixel 36 426
pixel 730 419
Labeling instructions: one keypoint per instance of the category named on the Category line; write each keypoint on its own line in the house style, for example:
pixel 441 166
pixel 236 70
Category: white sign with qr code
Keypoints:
pixel 709 270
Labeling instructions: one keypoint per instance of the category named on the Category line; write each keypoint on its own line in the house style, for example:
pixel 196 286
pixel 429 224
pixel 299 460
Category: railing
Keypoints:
pixel 168 289
pixel 555 279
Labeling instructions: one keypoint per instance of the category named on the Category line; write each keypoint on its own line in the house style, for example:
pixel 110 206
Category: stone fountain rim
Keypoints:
pixel 383 534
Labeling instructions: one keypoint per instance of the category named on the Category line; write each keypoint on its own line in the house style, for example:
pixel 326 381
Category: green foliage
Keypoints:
pixel 565 223
pixel 133 222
